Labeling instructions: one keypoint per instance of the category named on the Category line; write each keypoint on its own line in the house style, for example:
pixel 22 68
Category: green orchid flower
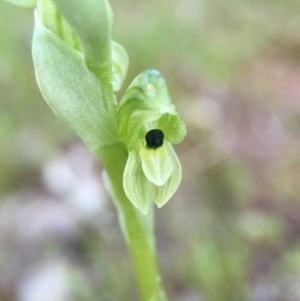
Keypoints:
pixel 149 124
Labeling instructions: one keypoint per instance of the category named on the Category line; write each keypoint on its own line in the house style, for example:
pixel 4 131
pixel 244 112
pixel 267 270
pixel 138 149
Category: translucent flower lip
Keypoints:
pixel 156 164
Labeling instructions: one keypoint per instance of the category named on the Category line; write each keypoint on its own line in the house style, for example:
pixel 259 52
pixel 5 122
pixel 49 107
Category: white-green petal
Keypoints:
pixel 134 115
pixel 120 63
pixel 173 127
pixel 156 163
pixel 153 87
pixel 137 127
pixel 161 194
pixel 135 184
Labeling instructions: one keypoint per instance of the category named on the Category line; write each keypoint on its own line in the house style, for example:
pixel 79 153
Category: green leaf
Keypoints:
pixel 136 185
pixel 91 20
pixel 73 92
pixel 156 164
pixel 23 3
pixel 120 63
pixel 53 20
pixel 161 194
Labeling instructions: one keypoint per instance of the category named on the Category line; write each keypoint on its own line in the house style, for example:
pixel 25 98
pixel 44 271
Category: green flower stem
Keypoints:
pixel 137 228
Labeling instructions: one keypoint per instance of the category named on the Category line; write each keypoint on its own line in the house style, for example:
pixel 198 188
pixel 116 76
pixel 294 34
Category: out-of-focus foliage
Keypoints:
pixel 232 231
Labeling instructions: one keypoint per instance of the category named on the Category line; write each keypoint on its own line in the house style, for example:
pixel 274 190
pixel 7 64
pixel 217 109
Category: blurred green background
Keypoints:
pixel 232 231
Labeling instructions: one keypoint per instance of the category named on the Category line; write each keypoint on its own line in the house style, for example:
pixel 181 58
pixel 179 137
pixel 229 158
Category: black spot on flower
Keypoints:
pixel 154 138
